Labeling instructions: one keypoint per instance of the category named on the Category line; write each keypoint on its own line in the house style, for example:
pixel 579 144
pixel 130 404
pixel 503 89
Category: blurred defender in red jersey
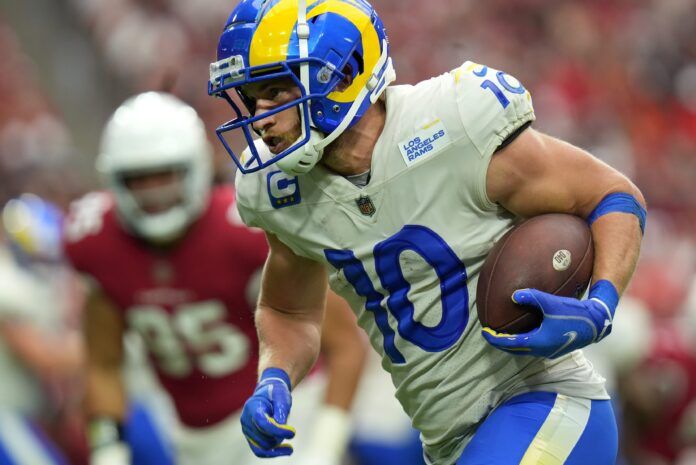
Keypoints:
pixel 168 257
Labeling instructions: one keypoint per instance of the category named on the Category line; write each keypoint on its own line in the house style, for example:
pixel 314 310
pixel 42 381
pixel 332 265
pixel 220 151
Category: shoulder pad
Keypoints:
pixel 492 105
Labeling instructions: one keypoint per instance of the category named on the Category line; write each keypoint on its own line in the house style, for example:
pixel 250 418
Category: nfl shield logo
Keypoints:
pixel 365 205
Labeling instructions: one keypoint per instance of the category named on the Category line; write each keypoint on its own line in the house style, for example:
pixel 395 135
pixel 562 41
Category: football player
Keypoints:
pixel 39 351
pixel 168 257
pixel 395 195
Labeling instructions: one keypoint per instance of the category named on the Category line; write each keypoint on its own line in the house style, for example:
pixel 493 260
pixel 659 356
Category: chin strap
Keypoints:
pixel 306 157
pixel 303 38
pixel 303 159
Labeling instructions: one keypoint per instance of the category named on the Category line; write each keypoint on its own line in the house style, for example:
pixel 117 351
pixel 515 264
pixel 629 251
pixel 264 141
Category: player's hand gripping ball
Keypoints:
pixel 528 290
pixel 265 415
pixel 567 323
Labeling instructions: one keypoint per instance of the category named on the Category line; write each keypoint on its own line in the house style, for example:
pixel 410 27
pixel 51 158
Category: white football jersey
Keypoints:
pixel 406 250
pixel 30 299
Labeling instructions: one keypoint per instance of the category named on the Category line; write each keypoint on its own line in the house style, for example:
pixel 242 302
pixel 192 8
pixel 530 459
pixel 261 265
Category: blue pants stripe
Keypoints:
pixel 505 436
pixel 5 458
pixel 148 446
pixel 409 451
pixel 601 434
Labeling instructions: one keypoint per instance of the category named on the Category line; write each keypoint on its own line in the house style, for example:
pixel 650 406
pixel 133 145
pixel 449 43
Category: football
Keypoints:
pixel 553 253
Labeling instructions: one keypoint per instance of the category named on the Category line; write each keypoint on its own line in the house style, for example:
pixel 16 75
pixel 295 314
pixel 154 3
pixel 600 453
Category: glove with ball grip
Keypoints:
pixel 265 415
pixel 568 324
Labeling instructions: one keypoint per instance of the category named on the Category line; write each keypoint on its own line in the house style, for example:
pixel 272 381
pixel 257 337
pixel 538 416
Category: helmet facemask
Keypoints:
pixel 159 212
pixel 246 115
pixel 156 192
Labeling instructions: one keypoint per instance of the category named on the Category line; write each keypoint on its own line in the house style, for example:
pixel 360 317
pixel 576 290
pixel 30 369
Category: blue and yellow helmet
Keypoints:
pixel 315 43
pixel 33 229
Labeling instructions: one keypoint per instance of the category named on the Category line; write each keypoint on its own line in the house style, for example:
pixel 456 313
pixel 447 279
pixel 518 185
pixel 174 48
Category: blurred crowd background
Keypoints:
pixel 616 77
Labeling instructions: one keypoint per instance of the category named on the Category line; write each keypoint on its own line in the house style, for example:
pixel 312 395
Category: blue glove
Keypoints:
pixel 265 413
pixel 568 324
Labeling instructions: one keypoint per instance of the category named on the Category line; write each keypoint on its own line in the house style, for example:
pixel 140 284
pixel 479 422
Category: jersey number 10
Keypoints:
pixel 449 269
pixel 503 81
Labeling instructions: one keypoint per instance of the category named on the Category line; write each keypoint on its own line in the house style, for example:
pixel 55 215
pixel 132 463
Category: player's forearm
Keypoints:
pixel 105 393
pixel 105 407
pixel 289 341
pixel 344 349
pixel 344 368
pixel 617 239
pixel 47 356
pixel 616 232
pixel 72 355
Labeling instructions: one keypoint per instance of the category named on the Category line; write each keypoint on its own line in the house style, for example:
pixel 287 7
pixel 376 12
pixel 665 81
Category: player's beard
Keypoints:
pixel 277 139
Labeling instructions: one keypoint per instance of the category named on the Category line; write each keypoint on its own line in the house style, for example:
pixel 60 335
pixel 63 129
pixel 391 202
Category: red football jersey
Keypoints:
pixel 189 302
pixel 669 371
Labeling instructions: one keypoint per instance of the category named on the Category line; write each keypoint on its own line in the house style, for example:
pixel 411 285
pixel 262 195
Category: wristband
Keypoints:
pixel 103 431
pixel 604 293
pixel 619 202
pixel 275 373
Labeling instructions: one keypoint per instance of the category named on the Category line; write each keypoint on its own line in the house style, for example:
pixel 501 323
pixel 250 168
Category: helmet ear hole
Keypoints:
pixel 358 59
pixel 347 80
